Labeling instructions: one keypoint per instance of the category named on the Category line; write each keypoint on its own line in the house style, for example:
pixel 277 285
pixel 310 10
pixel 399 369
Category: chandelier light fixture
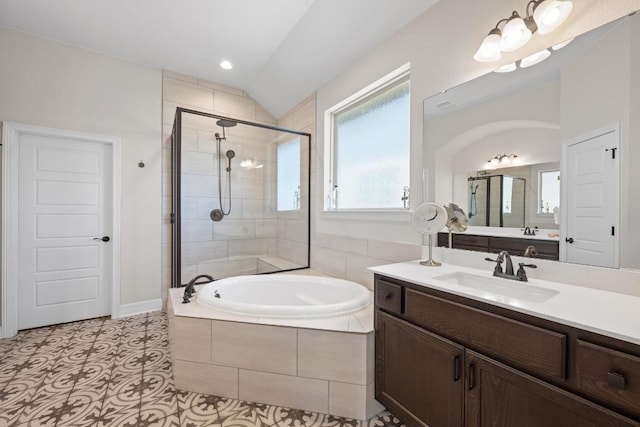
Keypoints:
pixel 542 16
pixel 501 161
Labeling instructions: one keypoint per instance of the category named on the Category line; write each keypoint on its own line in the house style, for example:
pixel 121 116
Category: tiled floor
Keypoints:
pixel 104 372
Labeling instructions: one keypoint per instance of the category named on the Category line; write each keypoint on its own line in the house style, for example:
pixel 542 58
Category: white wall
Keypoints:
pixel 441 57
pixel 56 85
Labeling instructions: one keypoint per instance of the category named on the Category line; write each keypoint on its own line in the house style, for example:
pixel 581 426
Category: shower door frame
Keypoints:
pixel 176 183
pixel 487 178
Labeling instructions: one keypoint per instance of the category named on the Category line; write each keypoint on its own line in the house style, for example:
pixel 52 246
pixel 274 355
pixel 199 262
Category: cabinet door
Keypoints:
pixel 498 395
pixel 418 374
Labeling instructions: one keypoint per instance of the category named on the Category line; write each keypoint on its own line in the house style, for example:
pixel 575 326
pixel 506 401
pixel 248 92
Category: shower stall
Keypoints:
pixel 497 201
pixel 240 197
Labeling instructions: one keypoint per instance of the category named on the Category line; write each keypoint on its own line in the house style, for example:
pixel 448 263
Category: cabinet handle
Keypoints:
pixel 471 373
pixel 388 296
pixel 616 380
pixel 456 368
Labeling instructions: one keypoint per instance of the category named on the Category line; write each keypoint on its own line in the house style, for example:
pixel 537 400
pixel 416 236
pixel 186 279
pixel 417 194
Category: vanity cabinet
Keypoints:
pixel 498 395
pixel 547 249
pixel 443 360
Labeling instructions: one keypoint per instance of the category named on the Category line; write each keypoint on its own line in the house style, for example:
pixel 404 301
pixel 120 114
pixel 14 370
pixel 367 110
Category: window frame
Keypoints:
pixel 298 142
pixel 539 209
pixel 393 79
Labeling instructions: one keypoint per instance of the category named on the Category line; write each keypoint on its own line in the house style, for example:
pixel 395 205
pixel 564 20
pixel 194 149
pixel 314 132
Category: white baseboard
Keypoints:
pixel 139 308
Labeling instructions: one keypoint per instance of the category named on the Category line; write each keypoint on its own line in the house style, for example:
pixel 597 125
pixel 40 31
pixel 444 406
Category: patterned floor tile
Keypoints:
pixel 13 400
pixel 114 373
pixel 384 419
pixel 197 417
pixel 64 409
pixel 239 413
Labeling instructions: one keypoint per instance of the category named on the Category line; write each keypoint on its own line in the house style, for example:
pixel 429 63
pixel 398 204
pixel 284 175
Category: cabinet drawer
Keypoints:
pixel 527 347
pixel 609 376
pixel 388 296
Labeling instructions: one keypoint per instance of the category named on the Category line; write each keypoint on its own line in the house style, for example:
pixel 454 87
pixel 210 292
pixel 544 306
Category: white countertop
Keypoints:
pixel 603 312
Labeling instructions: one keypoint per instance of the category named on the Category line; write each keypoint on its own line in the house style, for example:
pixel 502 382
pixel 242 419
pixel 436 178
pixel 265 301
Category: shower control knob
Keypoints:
pixel 569 240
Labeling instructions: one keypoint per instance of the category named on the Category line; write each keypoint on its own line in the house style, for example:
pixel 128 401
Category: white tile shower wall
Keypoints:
pixel 229 247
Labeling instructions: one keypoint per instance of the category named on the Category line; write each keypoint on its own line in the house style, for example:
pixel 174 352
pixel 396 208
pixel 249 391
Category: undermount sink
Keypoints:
pixel 499 289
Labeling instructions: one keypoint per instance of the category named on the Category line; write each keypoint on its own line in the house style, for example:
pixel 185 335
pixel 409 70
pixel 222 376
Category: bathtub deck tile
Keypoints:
pixel 273 348
pixel 336 356
pixel 191 339
pixel 206 378
pixel 283 390
pixel 335 323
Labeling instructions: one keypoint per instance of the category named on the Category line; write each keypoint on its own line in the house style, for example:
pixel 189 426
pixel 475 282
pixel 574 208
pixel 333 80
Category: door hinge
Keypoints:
pixel 172 218
pixel 613 152
pixel 613 230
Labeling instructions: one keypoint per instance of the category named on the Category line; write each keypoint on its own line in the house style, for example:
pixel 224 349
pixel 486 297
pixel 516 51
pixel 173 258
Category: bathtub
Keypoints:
pixel 295 341
pixel 285 296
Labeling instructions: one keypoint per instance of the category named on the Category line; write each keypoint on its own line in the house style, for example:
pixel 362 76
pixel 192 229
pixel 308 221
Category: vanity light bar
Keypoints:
pixel 542 16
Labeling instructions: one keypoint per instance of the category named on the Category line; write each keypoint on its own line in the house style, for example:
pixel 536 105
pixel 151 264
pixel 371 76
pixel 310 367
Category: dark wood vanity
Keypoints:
pixel 547 249
pixel 443 360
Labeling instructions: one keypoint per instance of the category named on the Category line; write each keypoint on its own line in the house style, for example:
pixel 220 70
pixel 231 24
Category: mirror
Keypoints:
pixel 535 113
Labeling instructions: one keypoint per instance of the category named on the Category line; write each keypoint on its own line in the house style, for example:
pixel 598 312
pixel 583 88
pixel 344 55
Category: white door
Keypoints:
pixel 592 200
pixel 65 196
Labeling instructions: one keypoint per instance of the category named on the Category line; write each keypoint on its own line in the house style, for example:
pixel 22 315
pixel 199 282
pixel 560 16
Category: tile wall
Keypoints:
pixel 253 237
pixel 332 254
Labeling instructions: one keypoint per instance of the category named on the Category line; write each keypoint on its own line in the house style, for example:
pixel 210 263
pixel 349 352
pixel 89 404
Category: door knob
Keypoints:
pixel 568 239
pixel 103 238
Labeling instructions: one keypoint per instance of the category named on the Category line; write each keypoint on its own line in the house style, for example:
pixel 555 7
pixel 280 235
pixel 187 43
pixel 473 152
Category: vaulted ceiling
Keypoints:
pixel 281 50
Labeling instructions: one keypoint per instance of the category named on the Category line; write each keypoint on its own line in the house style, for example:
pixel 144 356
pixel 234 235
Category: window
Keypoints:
pixel 549 191
pixel 288 180
pixel 507 194
pixel 370 150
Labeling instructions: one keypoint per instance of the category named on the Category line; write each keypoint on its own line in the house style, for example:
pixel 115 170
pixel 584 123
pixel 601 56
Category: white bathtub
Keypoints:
pixel 285 296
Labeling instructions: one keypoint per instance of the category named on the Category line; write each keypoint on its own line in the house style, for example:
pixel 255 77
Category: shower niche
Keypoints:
pixel 240 197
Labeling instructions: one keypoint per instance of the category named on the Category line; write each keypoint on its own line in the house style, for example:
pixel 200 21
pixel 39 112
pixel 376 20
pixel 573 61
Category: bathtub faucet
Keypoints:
pixel 189 289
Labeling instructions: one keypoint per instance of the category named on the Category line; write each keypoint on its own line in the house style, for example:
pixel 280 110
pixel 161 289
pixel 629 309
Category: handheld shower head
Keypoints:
pixel 231 154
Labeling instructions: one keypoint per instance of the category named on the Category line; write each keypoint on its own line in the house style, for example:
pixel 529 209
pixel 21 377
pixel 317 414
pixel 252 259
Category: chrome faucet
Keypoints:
pixel 520 275
pixel 529 232
pixel 189 289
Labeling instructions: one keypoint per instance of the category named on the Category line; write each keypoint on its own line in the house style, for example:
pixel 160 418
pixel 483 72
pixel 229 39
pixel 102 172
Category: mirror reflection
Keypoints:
pixel 537 147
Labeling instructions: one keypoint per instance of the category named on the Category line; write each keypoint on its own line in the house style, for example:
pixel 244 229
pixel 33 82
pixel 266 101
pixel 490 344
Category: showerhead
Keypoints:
pixel 231 154
pixel 226 123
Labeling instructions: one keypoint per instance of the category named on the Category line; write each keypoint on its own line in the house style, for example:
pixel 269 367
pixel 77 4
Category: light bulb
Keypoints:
pixel 515 34
pixel 489 50
pixel 550 14
pixel 495 161
pixel 534 59
pixel 505 160
pixel 226 65
pixel 561 44
pixel 506 68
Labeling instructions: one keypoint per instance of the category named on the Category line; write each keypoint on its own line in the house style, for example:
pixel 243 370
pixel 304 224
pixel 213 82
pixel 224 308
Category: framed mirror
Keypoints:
pixel 538 118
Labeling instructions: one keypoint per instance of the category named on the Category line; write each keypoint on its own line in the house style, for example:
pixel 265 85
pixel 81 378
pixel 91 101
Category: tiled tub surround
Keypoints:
pixel 320 365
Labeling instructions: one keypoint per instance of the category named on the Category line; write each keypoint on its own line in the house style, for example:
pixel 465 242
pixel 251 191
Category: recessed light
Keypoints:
pixel 226 65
